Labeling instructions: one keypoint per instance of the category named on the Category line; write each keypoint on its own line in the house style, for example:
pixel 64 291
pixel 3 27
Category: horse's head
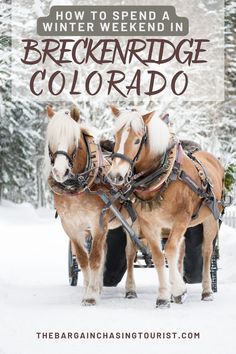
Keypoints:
pixel 135 136
pixel 63 135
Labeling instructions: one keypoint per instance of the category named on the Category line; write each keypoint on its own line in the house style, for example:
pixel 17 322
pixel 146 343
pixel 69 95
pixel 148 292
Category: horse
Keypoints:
pixel 68 151
pixel 145 148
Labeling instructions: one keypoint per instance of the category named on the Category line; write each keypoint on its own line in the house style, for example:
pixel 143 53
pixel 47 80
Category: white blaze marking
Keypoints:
pixel 123 169
pixel 61 162
pixel 123 139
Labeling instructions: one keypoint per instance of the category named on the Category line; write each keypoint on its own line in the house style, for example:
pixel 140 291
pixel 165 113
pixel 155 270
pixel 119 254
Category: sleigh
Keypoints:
pixel 115 265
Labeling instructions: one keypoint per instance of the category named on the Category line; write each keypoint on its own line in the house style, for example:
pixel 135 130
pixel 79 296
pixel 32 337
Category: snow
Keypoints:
pixel 35 297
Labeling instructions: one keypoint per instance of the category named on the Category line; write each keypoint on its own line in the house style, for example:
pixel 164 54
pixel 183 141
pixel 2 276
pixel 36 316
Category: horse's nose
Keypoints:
pixel 60 176
pixel 55 172
pixel 115 178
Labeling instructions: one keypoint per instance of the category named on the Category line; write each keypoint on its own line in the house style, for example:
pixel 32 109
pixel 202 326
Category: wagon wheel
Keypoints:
pixel 214 266
pixel 73 268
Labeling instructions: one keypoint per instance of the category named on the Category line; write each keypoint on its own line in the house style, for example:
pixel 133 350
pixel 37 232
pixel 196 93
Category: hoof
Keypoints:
pixel 88 302
pixel 207 296
pixel 181 298
pixel 162 304
pixel 131 294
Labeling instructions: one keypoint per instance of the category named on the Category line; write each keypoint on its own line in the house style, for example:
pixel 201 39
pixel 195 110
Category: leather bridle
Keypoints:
pixel 64 153
pixel 135 159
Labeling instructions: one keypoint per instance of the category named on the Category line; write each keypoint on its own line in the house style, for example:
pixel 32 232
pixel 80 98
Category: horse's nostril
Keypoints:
pixel 117 178
pixel 109 175
pixel 67 171
pixel 120 178
pixel 54 171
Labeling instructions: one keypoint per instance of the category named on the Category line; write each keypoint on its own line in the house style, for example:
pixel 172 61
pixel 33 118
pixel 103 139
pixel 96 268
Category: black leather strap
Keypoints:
pixel 208 197
pixel 126 158
pixel 61 152
pixel 64 153
pixel 122 157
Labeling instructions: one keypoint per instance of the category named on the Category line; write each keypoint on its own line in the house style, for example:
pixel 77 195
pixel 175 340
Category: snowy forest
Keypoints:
pixel 23 122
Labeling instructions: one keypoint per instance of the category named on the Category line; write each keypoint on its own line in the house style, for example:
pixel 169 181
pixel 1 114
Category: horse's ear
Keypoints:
pixel 75 114
pixel 147 117
pixel 115 111
pixel 50 112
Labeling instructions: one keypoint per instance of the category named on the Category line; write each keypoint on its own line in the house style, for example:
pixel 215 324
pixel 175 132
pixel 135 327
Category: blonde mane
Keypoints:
pixel 63 131
pixel 158 131
pixel 132 119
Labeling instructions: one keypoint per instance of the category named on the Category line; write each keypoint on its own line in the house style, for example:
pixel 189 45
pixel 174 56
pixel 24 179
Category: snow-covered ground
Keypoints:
pixel 35 297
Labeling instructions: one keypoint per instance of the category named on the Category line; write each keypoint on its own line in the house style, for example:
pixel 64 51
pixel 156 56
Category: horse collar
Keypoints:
pixel 153 182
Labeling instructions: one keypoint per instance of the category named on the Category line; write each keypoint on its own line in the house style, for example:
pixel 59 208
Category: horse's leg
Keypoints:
pixel 181 257
pixel 153 236
pixel 130 287
pixel 77 236
pixel 172 247
pixel 82 257
pixel 103 269
pixel 210 229
pixel 96 263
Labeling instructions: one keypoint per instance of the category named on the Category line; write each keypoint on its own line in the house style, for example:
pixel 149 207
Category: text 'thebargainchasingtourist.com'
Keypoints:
pixel 47 335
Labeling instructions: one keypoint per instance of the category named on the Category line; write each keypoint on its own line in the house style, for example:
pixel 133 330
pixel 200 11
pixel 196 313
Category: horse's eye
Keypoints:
pixel 137 141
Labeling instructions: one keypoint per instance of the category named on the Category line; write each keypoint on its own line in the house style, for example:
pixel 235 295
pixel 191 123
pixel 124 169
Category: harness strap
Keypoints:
pixel 143 142
pixel 201 174
pixel 122 157
pixel 144 182
pixel 134 237
pixel 209 199
pixel 188 180
pixel 153 176
pixel 126 158
pixel 177 173
pixel 64 153
pixel 93 159
pixel 78 183
pixel 131 211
